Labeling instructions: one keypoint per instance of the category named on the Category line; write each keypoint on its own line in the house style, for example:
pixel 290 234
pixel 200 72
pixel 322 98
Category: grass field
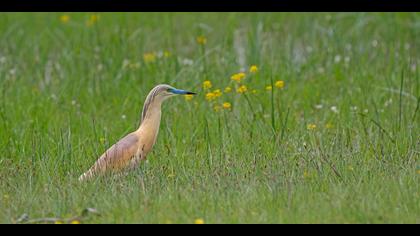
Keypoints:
pixel 338 140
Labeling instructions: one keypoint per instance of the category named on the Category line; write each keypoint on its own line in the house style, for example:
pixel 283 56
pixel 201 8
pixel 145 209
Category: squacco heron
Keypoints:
pixel 127 153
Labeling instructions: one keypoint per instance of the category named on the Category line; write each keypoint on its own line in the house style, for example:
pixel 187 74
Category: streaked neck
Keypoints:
pixel 151 112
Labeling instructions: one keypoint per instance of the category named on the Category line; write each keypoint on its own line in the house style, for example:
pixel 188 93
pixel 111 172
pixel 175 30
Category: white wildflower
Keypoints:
pixel 337 58
pixel 388 102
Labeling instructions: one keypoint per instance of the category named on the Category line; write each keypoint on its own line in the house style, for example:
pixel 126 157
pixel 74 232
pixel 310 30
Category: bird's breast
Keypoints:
pixel 148 134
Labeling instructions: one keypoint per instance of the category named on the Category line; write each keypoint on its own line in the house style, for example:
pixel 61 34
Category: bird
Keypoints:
pixel 127 153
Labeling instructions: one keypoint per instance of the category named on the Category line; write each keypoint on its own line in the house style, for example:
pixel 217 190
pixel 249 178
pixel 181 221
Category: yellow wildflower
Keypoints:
pixel 64 18
pixel 217 108
pixel 166 54
pixel 254 91
pixel 75 222
pixel 311 126
pixel 94 17
pixel 149 57
pixel 201 40
pixel 199 221
pixel 253 69
pixel 58 222
pixel 238 77
pixel 207 84
pixel 188 97
pixel 217 93
pixel 92 20
pixel 210 96
pixel 329 126
pixel 269 88
pixel 227 105
pixel 242 89
pixel 228 89
pixel 279 84
pixel 102 140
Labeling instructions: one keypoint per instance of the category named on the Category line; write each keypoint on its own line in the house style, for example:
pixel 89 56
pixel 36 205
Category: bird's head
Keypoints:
pixel 161 93
pixel 164 91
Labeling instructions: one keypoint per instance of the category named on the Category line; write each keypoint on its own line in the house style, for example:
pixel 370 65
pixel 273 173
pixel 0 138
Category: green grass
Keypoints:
pixel 64 90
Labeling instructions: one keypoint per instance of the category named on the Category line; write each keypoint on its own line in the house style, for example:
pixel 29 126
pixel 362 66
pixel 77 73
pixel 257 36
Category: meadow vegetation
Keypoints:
pixel 299 118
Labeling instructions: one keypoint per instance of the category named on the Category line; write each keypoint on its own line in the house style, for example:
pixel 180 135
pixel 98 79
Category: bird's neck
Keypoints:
pixel 151 115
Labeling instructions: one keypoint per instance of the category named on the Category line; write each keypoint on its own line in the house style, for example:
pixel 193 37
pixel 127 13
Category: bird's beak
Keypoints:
pixel 181 92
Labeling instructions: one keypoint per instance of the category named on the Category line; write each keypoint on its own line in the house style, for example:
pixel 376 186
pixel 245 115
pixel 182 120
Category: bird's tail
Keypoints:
pixel 86 176
pixel 97 169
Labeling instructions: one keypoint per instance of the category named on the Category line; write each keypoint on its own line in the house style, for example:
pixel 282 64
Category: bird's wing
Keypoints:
pixel 116 157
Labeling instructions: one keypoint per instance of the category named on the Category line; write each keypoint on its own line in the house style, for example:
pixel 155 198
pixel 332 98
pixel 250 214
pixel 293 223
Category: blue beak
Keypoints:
pixel 181 92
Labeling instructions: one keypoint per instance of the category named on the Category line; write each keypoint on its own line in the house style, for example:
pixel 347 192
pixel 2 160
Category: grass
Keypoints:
pixel 71 88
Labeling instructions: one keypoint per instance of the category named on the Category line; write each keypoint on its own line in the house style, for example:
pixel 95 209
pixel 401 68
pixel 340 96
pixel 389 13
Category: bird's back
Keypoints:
pixel 116 158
